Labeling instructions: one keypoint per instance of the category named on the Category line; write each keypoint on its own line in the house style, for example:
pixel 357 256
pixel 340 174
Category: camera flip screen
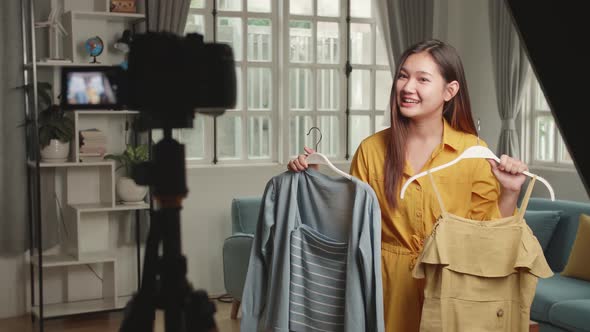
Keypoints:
pixel 91 88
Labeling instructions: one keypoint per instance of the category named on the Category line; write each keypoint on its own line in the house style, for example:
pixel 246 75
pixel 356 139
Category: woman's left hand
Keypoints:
pixel 509 172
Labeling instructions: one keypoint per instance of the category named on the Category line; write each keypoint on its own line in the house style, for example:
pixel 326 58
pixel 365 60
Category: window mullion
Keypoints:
pixel 347 70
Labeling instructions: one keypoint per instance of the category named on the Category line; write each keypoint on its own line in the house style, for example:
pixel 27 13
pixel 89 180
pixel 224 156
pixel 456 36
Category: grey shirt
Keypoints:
pixel 315 263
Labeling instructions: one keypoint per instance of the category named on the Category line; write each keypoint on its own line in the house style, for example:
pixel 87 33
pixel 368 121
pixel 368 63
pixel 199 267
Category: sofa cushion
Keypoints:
pixel 543 224
pixel 563 238
pixel 577 264
pixel 572 315
pixel 555 289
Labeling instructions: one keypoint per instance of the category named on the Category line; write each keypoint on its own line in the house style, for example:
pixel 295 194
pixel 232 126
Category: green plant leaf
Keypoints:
pixel 44 98
pixel 43 93
pixel 142 153
pixel 44 137
pixel 130 157
pixel 62 134
pixel 129 153
pixel 54 123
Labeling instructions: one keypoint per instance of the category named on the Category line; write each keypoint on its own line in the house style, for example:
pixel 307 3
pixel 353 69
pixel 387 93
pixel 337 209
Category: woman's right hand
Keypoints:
pixel 299 164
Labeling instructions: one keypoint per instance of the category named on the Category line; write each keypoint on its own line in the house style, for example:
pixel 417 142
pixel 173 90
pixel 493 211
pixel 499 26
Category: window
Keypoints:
pixel 545 144
pixel 246 132
pixel 370 81
pixel 197 146
pixel 290 65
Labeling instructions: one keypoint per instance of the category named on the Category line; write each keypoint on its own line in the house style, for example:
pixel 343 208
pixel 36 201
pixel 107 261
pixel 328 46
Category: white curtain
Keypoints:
pixel 511 73
pixel 168 15
pixel 13 180
pixel 403 23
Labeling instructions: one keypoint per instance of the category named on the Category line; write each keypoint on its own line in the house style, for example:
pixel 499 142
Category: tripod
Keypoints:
pixel 164 284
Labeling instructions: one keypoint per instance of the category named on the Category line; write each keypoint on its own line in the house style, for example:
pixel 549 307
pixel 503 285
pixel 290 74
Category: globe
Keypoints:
pixel 94 47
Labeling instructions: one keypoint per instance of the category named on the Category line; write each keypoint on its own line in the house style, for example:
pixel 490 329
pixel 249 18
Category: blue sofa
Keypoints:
pixel 561 303
pixel 236 248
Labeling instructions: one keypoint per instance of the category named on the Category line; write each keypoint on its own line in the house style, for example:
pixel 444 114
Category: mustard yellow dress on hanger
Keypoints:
pixel 469 189
pixel 480 275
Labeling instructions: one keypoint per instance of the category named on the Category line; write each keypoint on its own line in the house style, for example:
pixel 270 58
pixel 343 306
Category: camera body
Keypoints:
pixel 168 79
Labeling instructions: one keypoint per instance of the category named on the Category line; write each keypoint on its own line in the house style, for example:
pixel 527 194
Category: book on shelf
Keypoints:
pixel 93 144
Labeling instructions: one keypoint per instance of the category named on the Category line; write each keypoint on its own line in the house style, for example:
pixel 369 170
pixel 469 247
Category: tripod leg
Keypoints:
pixel 235 307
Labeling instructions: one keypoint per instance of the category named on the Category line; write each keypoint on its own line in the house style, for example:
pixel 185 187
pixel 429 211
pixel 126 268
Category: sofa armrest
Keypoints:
pixel 236 256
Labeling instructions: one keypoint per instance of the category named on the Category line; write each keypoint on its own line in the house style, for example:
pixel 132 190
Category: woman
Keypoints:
pixel 431 124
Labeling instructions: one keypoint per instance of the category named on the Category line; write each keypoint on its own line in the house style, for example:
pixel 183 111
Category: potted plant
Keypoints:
pixel 56 130
pixel 127 190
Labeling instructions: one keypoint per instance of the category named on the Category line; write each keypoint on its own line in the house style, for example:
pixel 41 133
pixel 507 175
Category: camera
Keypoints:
pixel 168 79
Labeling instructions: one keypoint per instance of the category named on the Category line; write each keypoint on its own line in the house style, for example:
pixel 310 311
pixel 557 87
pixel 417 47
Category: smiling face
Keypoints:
pixel 421 89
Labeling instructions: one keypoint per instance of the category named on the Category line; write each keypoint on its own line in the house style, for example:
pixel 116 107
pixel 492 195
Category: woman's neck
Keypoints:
pixel 426 129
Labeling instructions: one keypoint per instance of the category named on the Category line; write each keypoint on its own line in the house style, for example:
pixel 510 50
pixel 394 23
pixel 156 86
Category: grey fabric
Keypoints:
pixel 318 272
pixel 236 255
pixel 13 181
pixel 168 15
pixel 345 211
pixel 511 71
pixel 403 24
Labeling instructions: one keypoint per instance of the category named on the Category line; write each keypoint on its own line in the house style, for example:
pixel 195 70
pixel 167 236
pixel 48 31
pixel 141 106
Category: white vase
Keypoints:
pixel 56 152
pixel 129 191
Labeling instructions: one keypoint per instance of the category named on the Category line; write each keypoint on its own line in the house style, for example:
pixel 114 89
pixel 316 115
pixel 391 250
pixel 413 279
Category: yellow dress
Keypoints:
pixel 480 275
pixel 469 189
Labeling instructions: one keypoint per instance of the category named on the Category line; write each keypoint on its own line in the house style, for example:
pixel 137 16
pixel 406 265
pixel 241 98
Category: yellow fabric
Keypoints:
pixel 480 276
pixel 577 264
pixel 469 189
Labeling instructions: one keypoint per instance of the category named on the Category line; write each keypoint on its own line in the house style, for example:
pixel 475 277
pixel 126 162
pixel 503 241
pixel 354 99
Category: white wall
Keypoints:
pixel 566 184
pixel 206 216
pixel 468 32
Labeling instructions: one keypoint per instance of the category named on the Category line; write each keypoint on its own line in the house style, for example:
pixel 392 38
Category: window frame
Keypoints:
pixel 280 112
pixel 373 68
pixel 244 64
pixel 314 66
pixel 530 139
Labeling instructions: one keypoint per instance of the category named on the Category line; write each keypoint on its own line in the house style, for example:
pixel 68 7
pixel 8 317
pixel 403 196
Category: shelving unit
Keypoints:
pixel 86 24
pixel 82 307
pixel 78 196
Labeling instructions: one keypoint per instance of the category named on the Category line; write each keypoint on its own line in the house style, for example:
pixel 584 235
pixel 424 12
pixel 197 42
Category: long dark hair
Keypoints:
pixel 457 111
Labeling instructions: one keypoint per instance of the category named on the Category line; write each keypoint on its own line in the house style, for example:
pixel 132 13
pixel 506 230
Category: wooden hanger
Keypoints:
pixel 317 158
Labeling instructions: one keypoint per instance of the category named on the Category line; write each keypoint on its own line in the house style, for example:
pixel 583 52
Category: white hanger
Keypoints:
pixel 476 151
pixel 317 158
